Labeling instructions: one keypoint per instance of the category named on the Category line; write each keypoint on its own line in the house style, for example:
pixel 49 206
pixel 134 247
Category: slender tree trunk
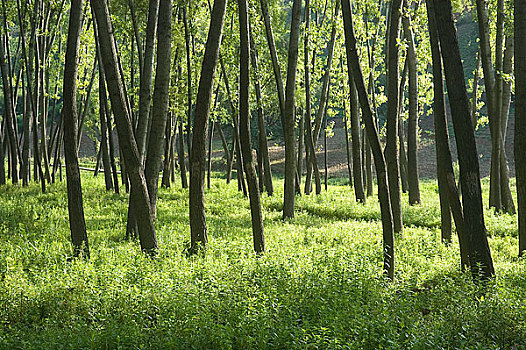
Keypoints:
pixel 262 131
pixel 520 119
pixel 355 135
pixel 104 144
pixel 77 223
pixel 412 135
pixel 145 85
pixel 130 152
pixel 289 119
pixel 198 152
pixel 507 200
pixel 160 102
pixel 180 154
pixel 391 149
pixel 372 133
pixel 9 114
pixel 168 153
pixel 244 130
pixel 480 256
pixel 491 97
pixel 448 193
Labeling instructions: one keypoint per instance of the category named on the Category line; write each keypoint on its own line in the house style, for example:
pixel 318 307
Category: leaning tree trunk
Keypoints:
pixel 480 257
pixel 130 152
pixel 391 148
pixel 520 119
pixel 355 136
pixel 77 223
pixel 160 102
pixel 262 131
pixel 244 130
pixel 372 134
pixel 448 192
pixel 198 152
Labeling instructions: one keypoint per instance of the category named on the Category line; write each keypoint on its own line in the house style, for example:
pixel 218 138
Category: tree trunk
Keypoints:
pixel 448 193
pixel 372 134
pixel 391 148
pixel 412 135
pixel 262 131
pixel 130 152
pixel 244 130
pixel 198 152
pixel 491 97
pixel 520 119
pixel 77 223
pixel 180 154
pixel 146 74
pixel 160 102
pixel 355 135
pixel 289 119
pixel 480 256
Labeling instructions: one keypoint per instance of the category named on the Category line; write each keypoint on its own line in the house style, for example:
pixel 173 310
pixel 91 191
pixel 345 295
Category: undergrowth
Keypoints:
pixel 318 286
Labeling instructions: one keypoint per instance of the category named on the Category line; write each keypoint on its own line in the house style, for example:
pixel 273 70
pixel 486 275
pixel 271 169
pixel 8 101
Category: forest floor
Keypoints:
pixel 318 286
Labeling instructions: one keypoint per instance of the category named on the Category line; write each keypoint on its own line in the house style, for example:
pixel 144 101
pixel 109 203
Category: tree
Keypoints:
pixel 244 129
pixel 127 143
pixel 412 137
pixel 160 102
pixel 520 118
pixel 289 119
pixel 198 228
pixel 480 256
pixel 353 64
pixel 77 223
pixel 391 148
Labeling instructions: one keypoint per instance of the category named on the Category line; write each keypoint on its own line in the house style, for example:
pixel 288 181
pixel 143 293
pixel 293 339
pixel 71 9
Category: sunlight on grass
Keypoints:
pixel 319 285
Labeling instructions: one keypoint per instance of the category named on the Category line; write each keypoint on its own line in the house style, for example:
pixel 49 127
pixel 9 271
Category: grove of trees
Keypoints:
pixel 154 82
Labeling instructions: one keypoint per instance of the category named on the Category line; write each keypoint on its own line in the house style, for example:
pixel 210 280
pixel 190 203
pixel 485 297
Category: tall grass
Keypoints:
pixel 318 286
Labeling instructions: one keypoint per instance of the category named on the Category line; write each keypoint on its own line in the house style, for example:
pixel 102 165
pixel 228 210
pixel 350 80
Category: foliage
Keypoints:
pixel 319 285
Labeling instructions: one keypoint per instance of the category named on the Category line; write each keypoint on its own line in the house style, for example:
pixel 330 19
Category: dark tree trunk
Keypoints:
pixel 309 142
pixel 355 135
pixel 77 223
pixel 448 192
pixel 9 112
pixel 372 134
pixel 412 134
pixel 520 119
pixel 391 149
pixel 180 154
pixel 289 119
pixel 145 87
pixel 198 152
pixel 130 152
pixel 160 102
pixel 262 130
pixel 480 256
pixel 244 130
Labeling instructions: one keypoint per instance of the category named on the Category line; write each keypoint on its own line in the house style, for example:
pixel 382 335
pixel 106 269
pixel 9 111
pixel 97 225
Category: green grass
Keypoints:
pixel 318 286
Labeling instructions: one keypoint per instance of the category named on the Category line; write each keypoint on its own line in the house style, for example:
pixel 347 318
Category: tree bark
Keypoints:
pixel 355 135
pixel 262 130
pixel 289 119
pixel 520 119
pixel 198 152
pixel 480 256
pixel 77 223
pixel 160 102
pixel 448 192
pixel 412 135
pixel 244 130
pixel 372 134
pixel 391 148
pixel 130 152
